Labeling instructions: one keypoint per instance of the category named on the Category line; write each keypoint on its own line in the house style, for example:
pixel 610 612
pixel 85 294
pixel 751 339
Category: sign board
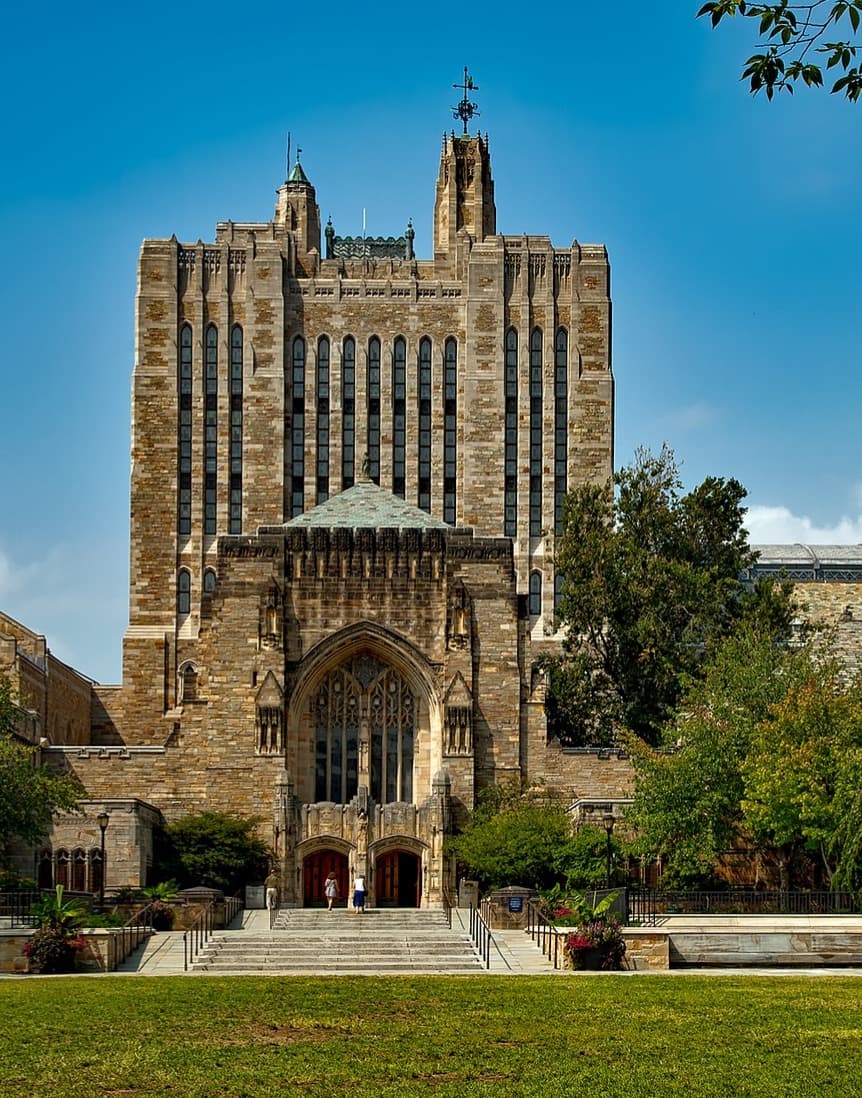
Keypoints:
pixel 516 905
pixel 254 896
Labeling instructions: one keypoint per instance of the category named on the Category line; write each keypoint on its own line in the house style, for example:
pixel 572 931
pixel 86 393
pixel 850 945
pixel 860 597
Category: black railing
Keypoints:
pixel 233 905
pixel 197 936
pixel 543 932
pixel 646 906
pixel 481 935
pixel 15 908
pixel 448 904
pixel 135 930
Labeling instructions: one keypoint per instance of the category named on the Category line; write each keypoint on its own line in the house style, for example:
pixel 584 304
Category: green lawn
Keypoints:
pixel 597 1035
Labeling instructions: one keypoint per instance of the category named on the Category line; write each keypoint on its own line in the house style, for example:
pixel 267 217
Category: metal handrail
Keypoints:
pixel 448 904
pixel 481 935
pixel 543 932
pixel 646 905
pixel 197 935
pixel 136 928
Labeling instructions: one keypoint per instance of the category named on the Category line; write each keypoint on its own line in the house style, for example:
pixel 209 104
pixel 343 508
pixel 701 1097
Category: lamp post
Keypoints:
pixel 608 819
pixel 102 819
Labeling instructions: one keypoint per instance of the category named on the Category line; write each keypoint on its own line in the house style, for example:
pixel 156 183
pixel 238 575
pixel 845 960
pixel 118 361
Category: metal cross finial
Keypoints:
pixel 465 109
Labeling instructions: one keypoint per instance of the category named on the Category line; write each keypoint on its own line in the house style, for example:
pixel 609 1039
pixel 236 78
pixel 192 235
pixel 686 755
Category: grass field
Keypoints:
pixel 600 1035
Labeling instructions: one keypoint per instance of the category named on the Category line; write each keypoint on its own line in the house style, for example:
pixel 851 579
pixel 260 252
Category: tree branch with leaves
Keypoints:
pixel 793 44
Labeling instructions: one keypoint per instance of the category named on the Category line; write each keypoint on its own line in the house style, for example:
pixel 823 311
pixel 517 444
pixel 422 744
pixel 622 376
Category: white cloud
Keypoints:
pixel 779 526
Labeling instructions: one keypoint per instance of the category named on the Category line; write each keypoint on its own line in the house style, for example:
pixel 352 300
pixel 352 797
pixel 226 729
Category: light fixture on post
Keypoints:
pixel 102 820
pixel 608 820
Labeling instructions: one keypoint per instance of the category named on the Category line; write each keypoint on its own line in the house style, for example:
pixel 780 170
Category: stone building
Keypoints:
pixel 348 471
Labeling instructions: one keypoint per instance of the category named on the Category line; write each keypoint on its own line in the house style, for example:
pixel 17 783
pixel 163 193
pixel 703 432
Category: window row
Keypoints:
pixel 374 424
pixel 76 870
pixel 184 588
pixel 536 438
pixel 185 442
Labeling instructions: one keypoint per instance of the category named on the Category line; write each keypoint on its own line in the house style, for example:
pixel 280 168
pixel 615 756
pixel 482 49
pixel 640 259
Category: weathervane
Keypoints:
pixel 465 109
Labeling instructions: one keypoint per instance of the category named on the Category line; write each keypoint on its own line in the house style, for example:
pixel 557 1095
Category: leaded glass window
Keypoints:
pixel 399 416
pixel 184 592
pixel 536 433
pixel 184 509
pixel 510 502
pixel 535 594
pixel 373 409
pixel 322 419
pixel 297 431
pixel 364 689
pixel 561 429
pixel 348 413
pixel 424 499
pixel 450 429
pixel 235 511
pixel 211 431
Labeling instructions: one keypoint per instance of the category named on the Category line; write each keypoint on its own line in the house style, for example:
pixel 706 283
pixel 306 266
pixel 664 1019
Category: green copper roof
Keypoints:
pixel 297 175
pixel 366 505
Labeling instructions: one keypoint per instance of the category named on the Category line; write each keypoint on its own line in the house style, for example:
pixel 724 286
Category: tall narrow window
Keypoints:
pixel 558 591
pixel 536 433
pixel 399 416
pixel 424 499
pixel 235 516
pixel 374 409
pixel 535 594
pixel 184 592
pixel 297 430
pixel 510 505
pixel 211 431
pixel 348 413
pixel 450 429
pixel 184 511
pixel 561 428
pixel 322 419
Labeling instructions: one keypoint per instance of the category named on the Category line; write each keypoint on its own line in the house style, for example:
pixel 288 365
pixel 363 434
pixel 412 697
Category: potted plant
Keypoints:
pixel 56 942
pixel 161 913
pixel 596 941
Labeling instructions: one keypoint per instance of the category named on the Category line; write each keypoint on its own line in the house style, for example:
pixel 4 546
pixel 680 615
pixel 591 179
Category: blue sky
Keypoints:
pixel 732 225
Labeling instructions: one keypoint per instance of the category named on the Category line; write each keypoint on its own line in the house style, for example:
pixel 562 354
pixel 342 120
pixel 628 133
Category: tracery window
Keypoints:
pixel 297 432
pixel 450 429
pixel 96 874
pixel 424 498
pixel 209 581
pixel 363 689
pixel 79 871
pixel 348 413
pixel 561 429
pixel 322 420
pixel 510 502
pixel 399 416
pixel 211 430
pixel 535 594
pixel 536 433
pixel 235 509
pixel 184 508
pixel 373 409
pixel 184 592
pixel 62 874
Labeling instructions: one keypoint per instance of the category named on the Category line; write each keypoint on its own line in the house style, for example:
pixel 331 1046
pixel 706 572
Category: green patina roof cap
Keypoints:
pixel 366 505
pixel 297 175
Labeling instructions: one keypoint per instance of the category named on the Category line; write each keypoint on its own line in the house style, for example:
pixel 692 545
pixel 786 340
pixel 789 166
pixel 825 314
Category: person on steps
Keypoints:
pixel 330 889
pixel 359 894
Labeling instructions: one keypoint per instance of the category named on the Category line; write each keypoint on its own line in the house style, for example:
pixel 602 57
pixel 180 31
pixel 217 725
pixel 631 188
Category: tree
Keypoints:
pixel 766 754
pixel 792 38
pixel 31 793
pixel 650 585
pixel 214 849
pixel 514 840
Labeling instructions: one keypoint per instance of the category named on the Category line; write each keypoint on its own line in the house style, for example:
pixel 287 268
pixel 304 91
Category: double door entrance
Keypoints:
pixel 397 879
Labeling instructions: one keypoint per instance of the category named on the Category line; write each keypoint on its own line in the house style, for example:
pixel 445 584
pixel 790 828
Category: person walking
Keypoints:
pixel 271 884
pixel 359 894
pixel 330 889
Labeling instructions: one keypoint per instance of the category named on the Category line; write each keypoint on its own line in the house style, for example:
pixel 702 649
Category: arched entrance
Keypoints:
pixel 398 879
pixel 316 868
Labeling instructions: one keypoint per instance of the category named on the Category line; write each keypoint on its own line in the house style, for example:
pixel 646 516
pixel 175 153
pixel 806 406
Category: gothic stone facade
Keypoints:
pixel 347 478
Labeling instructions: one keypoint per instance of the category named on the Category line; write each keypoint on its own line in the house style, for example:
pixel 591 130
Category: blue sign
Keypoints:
pixel 516 904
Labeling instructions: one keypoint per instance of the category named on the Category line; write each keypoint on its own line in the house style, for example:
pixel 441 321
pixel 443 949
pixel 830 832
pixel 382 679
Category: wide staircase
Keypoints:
pixel 319 942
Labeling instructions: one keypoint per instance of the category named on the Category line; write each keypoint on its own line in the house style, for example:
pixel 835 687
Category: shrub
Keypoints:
pixel 215 850
pixel 55 944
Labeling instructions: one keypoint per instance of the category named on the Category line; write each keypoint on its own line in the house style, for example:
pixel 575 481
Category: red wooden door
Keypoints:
pixel 316 868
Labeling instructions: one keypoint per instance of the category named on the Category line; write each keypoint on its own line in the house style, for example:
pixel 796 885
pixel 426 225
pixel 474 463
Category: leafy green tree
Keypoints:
pixel 515 841
pixel 29 793
pixel 802 776
pixel 765 753
pixel 213 849
pixel 650 586
pixel 794 40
